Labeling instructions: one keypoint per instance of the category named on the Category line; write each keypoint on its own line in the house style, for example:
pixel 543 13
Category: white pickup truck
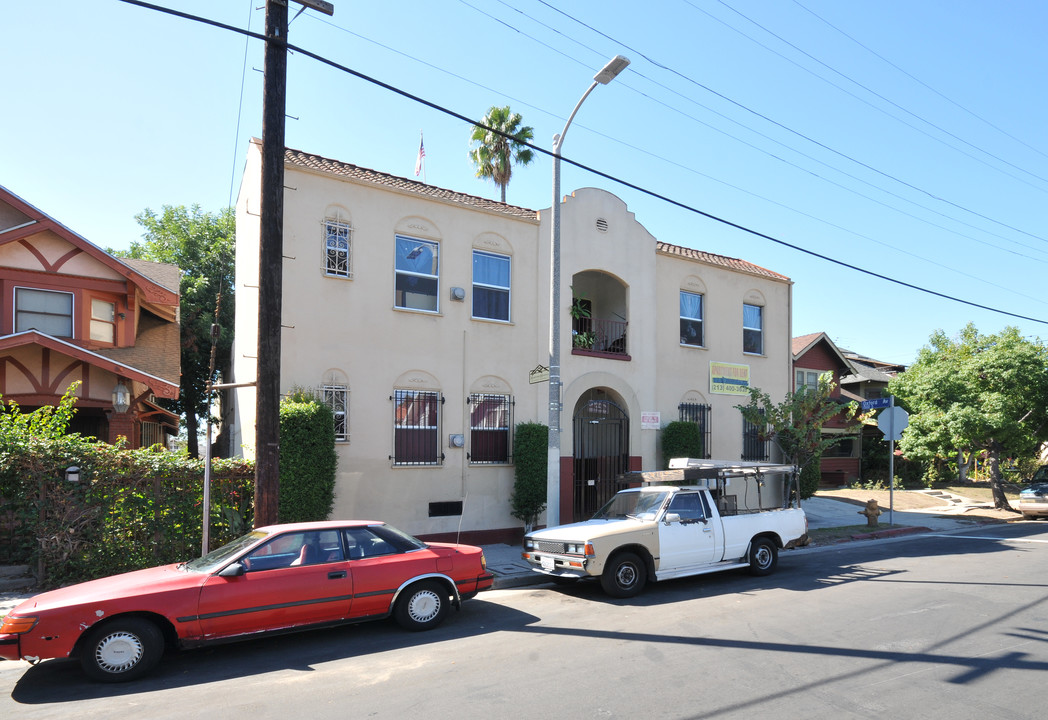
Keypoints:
pixel 661 531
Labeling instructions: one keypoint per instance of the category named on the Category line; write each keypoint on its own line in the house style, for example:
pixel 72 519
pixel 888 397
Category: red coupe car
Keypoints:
pixel 274 579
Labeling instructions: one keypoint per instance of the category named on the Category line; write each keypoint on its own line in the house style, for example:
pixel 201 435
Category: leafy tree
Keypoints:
pixel 982 393
pixel 203 246
pixel 795 425
pixel 494 154
pixel 530 444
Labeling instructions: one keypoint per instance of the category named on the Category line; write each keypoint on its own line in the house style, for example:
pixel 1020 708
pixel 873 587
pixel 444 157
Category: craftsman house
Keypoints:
pixel 71 312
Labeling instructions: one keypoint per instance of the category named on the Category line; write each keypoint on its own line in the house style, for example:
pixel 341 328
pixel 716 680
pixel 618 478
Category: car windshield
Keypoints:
pixel 216 558
pixel 632 503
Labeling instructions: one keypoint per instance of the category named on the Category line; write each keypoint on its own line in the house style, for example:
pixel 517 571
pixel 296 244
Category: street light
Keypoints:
pixel 616 65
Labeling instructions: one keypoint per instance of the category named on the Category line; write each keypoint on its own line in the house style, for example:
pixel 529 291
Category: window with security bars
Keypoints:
pixel 490 428
pixel 338 248
pixel 336 397
pixel 416 427
pixel 700 415
pixel 753 446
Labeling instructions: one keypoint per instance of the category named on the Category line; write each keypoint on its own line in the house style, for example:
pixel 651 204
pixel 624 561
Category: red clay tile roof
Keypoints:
pixel 721 260
pixel 297 158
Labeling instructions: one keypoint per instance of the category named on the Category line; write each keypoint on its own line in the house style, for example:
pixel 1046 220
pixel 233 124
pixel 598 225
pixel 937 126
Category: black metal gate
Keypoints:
pixel 601 454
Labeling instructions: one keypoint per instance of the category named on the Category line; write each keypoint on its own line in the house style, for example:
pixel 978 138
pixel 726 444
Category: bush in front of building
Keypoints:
pixel 680 439
pixel 530 453
pixel 308 460
pixel 120 510
pixel 811 476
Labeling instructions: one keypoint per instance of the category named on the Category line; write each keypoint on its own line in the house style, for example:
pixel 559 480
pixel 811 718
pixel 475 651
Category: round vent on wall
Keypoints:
pixel 602 225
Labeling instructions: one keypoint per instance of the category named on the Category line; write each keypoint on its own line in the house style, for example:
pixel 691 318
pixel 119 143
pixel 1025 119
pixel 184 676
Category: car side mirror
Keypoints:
pixel 671 518
pixel 232 570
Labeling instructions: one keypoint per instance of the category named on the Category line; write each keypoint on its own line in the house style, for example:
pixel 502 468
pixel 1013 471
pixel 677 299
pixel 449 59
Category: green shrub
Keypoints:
pixel 307 459
pixel 811 474
pixel 680 439
pixel 530 453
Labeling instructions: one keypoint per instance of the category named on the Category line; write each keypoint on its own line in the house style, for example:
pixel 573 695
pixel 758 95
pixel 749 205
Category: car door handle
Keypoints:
pixel 339 575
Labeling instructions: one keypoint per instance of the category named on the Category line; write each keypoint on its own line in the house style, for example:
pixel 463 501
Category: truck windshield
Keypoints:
pixel 632 503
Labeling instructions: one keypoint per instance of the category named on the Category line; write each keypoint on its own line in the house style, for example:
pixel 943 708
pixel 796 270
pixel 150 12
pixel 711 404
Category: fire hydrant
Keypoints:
pixel 872 512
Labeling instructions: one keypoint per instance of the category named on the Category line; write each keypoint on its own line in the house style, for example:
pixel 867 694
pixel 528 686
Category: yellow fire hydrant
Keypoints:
pixel 872 512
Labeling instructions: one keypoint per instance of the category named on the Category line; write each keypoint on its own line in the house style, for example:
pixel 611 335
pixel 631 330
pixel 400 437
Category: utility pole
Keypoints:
pixel 270 261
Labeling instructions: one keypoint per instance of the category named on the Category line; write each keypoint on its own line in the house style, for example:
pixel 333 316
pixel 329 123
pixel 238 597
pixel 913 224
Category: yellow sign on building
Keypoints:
pixel 729 378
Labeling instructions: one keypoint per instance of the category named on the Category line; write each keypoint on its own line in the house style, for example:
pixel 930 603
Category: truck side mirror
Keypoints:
pixel 671 518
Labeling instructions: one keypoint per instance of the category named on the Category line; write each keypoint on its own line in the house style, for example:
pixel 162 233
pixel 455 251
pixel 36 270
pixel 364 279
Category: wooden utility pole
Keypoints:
pixel 270 261
pixel 270 269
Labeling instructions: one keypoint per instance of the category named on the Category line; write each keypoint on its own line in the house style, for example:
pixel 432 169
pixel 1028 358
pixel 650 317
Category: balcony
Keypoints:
pixel 599 337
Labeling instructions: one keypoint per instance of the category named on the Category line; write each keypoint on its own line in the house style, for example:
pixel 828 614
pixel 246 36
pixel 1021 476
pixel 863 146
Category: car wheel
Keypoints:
pixel 624 576
pixel 422 606
pixel 763 556
pixel 121 650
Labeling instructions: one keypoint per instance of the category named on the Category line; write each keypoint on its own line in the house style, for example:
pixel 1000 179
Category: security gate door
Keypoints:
pixel 601 453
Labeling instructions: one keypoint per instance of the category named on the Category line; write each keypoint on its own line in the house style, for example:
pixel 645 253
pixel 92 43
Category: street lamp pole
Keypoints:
pixel 616 65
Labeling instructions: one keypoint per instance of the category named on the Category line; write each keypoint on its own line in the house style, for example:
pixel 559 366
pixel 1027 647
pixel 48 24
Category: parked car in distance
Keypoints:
pixel 1033 499
pixel 272 580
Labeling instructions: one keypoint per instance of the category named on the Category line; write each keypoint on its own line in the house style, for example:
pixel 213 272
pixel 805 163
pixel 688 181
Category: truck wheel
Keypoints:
pixel 122 649
pixel 763 556
pixel 624 575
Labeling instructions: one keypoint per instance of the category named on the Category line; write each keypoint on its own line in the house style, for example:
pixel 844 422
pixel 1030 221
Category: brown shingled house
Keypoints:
pixel 69 311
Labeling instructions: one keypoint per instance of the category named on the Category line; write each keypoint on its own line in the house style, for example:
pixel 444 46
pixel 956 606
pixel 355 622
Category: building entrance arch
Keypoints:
pixel 600 453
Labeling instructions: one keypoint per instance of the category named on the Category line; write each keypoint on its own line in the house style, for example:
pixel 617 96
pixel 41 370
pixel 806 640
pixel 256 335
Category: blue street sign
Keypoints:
pixel 875 404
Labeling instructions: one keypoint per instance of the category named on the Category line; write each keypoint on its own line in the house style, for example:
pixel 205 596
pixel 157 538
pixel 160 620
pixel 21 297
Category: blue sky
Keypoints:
pixel 905 137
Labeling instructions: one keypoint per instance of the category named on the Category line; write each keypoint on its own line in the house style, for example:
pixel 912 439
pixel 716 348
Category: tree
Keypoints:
pixel 981 393
pixel 795 424
pixel 203 246
pixel 530 441
pixel 494 154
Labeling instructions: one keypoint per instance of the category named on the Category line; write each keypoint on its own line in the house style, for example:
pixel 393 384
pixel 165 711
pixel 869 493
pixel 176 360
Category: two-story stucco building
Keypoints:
pixel 422 316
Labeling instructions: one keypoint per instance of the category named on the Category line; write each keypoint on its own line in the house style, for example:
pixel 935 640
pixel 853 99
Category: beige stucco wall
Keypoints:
pixel 348 332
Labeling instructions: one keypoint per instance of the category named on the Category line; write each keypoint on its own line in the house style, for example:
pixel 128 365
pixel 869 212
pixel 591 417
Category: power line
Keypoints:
pixel 625 183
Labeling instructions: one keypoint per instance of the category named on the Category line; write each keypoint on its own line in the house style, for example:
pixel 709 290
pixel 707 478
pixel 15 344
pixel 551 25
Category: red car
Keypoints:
pixel 274 579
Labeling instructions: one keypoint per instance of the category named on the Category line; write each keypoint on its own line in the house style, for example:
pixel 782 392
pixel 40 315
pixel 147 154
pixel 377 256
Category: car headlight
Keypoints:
pixel 529 544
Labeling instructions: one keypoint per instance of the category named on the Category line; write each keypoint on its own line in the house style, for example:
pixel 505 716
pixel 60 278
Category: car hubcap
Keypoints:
pixel 627 575
pixel 118 652
pixel 763 557
pixel 424 606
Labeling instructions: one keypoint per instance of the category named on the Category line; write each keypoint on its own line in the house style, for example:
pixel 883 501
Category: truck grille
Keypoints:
pixel 549 547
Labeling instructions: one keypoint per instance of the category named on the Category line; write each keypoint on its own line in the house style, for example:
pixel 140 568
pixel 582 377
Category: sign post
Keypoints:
pixel 891 422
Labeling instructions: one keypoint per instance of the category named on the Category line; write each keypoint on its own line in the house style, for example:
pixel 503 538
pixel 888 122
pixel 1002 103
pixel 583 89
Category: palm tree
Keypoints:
pixel 493 154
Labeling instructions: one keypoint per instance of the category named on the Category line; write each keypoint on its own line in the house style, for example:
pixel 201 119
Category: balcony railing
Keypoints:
pixel 599 337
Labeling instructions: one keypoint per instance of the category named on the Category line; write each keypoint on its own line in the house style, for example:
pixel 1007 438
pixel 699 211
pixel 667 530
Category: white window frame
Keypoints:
pixel 335 256
pixel 806 378
pixel 407 274
pixel 687 318
pixel 336 397
pixel 507 289
pixel 753 329
pixel 106 323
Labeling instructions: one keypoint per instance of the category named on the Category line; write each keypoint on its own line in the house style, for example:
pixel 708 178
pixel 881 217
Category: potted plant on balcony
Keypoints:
pixel 582 335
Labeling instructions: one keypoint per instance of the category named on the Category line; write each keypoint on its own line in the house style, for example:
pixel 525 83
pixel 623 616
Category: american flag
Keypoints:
pixel 421 155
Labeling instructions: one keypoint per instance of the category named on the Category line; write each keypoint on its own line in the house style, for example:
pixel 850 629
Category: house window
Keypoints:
pixel 417 281
pixel 490 286
pixel 808 379
pixel 416 428
pixel 338 248
pixel 753 446
pixel 753 329
pixel 47 311
pixel 699 414
pixel 490 423
pixel 691 319
pixel 336 397
pixel 103 321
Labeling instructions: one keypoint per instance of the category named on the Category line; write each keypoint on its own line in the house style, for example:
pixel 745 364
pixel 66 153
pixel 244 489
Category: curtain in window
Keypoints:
pixel 690 318
pixel 491 286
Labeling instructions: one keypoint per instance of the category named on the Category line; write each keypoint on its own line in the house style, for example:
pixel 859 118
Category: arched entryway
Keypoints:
pixel 601 450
